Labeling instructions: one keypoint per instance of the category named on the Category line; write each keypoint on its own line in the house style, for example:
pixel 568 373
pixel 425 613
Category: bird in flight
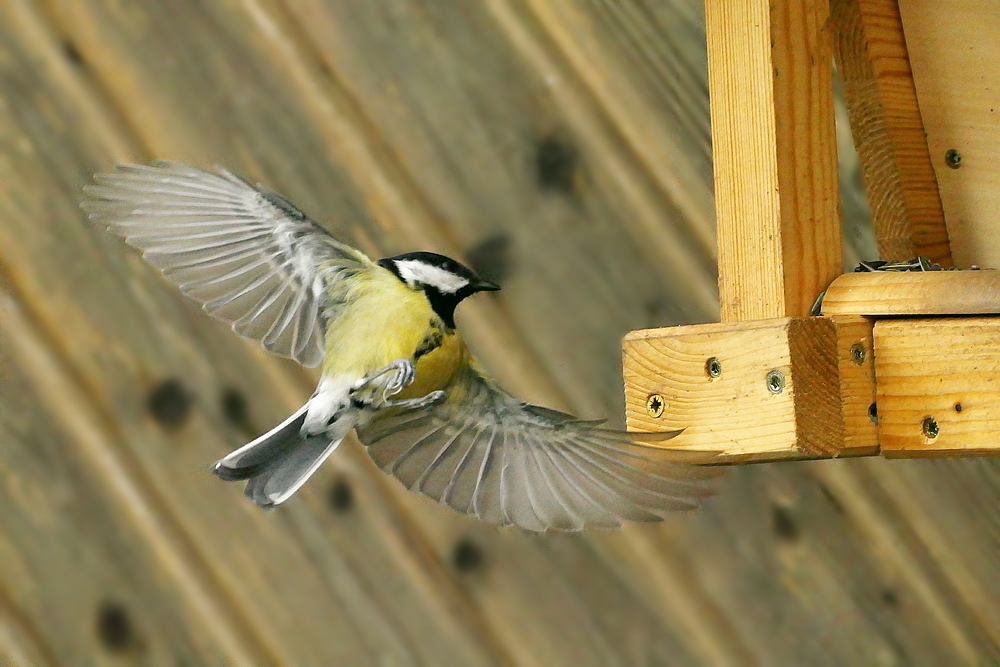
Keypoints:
pixel 394 367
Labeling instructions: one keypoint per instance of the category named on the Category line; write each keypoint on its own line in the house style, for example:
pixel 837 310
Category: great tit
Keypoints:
pixel 394 368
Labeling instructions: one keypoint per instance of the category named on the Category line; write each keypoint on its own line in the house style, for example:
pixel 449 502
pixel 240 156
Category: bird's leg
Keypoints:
pixel 431 399
pixel 403 375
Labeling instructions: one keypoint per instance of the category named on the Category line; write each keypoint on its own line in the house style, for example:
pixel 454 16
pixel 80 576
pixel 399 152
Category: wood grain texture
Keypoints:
pixel 944 506
pixel 736 411
pixel 413 540
pixel 773 131
pixel 856 364
pixel 914 293
pixel 621 37
pixel 830 540
pixel 897 566
pixel 66 560
pixel 888 130
pixel 474 167
pixel 905 573
pixel 945 370
pixel 88 296
pixel 952 47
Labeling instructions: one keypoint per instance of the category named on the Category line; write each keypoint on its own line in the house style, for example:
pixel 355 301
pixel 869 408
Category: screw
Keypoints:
pixel 873 413
pixel 775 382
pixel 931 428
pixel 858 354
pixel 953 158
pixel 655 405
pixel 713 367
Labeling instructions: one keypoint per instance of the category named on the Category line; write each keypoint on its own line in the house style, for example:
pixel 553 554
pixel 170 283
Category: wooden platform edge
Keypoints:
pixel 938 386
pixel 914 293
pixel 827 387
pixel 763 390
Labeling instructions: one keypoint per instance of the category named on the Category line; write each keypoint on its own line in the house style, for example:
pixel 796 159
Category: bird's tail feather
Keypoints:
pixel 282 477
pixel 279 462
pixel 252 457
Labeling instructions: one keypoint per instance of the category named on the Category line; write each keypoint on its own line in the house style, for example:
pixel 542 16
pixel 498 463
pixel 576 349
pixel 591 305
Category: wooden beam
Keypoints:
pixel 775 154
pixel 762 390
pixel 938 386
pixel 914 293
pixel 888 130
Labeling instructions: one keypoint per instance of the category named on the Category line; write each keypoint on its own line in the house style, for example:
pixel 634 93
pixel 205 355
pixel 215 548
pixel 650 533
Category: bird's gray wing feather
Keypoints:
pixel 485 453
pixel 247 255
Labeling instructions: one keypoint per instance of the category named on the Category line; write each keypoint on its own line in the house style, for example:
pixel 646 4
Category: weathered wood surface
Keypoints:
pixel 402 125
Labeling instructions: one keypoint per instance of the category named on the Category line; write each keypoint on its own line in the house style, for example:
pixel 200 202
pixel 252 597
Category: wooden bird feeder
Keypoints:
pixel 902 364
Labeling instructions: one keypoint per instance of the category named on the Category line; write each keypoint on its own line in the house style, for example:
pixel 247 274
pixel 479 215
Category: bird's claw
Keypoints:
pixel 402 373
pixel 405 374
pixel 430 400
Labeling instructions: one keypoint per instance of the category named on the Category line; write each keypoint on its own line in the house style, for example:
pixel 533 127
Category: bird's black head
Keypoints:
pixel 442 279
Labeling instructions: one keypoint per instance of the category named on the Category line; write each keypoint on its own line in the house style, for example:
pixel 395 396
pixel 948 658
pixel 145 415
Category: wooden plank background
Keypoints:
pixel 575 131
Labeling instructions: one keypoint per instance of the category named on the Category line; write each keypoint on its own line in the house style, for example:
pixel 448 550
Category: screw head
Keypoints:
pixel 873 413
pixel 953 158
pixel 655 405
pixel 931 428
pixel 858 354
pixel 775 381
pixel 713 367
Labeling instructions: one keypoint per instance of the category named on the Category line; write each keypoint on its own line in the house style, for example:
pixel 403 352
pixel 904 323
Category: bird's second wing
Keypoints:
pixel 247 255
pixel 485 453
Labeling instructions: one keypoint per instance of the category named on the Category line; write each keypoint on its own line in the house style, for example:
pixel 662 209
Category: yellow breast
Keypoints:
pixel 436 369
pixel 383 321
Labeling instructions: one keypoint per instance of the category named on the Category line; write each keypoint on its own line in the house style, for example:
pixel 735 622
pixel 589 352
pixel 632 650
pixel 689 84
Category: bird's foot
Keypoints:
pixel 430 400
pixel 402 375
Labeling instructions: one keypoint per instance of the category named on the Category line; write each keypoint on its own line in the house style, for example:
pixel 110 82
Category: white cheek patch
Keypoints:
pixel 414 271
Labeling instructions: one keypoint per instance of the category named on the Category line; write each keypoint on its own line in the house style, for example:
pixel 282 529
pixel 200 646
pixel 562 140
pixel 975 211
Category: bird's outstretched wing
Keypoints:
pixel 485 453
pixel 247 255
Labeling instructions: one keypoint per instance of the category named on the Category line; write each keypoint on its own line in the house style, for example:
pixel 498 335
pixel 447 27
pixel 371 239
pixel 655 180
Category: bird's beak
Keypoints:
pixel 486 286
